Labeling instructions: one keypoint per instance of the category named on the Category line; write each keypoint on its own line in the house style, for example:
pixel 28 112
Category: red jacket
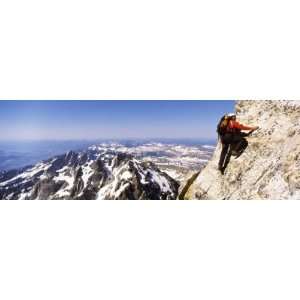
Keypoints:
pixel 234 125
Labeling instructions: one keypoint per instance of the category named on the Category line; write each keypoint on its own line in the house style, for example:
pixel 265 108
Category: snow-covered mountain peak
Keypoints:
pixel 92 174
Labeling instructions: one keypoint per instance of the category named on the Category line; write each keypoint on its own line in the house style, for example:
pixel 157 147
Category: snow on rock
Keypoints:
pixel 87 172
pixel 28 174
pixel 270 166
pixel 90 174
pixel 65 175
pixel 133 179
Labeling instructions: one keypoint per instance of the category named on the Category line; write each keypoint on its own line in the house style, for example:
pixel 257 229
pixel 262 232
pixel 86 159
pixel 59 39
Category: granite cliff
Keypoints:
pixel 270 166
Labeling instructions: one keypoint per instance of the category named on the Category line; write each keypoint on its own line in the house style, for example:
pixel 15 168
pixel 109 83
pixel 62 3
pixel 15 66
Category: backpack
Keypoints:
pixel 222 125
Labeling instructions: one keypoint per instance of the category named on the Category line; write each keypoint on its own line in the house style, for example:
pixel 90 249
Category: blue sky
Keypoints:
pixel 60 120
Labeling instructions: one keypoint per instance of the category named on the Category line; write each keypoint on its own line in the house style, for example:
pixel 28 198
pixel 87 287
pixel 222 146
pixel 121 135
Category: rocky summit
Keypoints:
pixel 90 174
pixel 270 166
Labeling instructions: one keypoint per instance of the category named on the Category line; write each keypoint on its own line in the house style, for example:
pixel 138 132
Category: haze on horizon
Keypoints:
pixel 111 119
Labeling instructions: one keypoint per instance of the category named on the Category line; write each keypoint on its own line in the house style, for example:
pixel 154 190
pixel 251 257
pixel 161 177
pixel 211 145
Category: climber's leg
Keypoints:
pixel 242 147
pixel 228 156
pixel 224 151
pixel 237 141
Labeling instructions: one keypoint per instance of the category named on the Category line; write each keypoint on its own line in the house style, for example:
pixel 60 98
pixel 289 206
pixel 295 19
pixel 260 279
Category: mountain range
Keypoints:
pixel 107 171
pixel 269 168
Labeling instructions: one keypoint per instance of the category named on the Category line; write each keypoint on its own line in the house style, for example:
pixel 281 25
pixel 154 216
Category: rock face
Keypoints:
pixel 90 174
pixel 270 166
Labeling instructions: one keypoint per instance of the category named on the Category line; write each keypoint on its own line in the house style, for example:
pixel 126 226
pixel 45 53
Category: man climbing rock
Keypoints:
pixel 232 138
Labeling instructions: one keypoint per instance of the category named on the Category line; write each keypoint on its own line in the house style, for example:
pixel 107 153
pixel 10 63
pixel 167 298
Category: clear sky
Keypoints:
pixel 60 120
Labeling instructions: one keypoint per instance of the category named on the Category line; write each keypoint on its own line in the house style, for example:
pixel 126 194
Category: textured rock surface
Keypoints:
pixel 270 166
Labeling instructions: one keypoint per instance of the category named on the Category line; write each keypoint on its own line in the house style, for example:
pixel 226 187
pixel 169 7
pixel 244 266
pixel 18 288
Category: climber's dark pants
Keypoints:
pixel 231 141
pixel 224 154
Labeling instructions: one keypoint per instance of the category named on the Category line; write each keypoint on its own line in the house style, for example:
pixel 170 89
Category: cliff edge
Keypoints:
pixel 270 166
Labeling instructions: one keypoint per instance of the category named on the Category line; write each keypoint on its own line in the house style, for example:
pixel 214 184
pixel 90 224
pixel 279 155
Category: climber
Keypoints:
pixel 232 139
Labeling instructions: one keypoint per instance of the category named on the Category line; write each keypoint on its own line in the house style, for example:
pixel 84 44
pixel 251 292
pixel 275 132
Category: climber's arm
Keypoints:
pixel 240 126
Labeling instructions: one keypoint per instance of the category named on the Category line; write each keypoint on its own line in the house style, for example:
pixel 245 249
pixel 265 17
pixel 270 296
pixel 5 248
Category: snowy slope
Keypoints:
pixel 177 160
pixel 91 174
pixel 270 166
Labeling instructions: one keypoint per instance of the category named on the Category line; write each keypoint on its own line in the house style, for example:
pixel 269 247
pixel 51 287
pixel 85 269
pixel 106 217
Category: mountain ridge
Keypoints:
pixel 89 174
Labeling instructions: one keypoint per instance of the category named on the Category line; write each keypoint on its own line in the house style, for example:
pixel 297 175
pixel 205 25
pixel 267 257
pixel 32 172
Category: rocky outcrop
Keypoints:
pixel 270 166
pixel 191 177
